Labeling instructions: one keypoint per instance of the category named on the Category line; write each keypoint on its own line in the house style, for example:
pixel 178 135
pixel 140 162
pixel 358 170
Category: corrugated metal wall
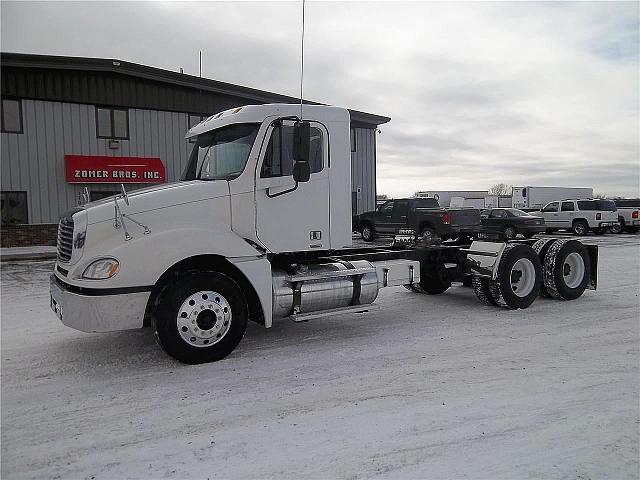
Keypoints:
pixel 34 161
pixel 363 169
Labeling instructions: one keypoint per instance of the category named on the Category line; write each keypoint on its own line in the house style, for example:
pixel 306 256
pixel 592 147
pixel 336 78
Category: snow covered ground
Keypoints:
pixel 425 387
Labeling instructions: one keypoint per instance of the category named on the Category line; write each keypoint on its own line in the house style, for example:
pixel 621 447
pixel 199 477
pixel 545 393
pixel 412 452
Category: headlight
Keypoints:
pixel 101 269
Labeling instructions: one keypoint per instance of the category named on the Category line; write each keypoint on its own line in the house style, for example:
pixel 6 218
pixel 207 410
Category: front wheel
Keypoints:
pixel 367 233
pixel 509 233
pixel 201 318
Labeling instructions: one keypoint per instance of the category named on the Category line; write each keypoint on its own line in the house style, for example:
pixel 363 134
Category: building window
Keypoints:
pixel 94 195
pixel 353 139
pixel 14 207
pixel 278 161
pixel 11 115
pixel 112 123
pixel 193 121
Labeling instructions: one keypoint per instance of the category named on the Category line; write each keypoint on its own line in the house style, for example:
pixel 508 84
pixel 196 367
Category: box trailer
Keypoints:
pixel 535 198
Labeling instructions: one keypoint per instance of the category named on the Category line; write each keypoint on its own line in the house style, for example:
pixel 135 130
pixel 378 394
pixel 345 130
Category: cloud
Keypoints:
pixel 479 93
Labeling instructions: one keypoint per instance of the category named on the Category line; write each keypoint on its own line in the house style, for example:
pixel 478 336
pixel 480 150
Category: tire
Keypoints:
pixel 567 269
pixel 618 227
pixel 482 288
pixel 367 233
pixel 509 232
pixel 580 227
pixel 431 283
pixel 428 235
pixel 541 247
pixel 201 318
pixel 519 277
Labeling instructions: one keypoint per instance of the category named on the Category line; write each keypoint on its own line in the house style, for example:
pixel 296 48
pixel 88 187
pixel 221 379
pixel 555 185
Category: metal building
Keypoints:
pixel 64 112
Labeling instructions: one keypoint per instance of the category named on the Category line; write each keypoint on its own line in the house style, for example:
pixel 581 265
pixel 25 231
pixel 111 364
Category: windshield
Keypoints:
pixel 221 154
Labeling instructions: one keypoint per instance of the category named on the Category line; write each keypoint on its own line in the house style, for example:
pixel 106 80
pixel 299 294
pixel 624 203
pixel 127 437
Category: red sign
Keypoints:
pixel 102 169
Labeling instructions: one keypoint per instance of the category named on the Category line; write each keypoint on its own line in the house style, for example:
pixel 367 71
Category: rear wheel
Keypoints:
pixel 567 269
pixel 541 247
pixel 428 235
pixel 519 277
pixel 482 288
pixel 618 227
pixel 201 318
pixel 432 282
pixel 580 227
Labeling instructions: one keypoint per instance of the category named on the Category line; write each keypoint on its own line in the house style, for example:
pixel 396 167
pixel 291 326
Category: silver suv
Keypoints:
pixel 580 216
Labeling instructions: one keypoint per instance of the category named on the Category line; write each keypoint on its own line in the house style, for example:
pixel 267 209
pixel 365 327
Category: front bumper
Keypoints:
pixel 97 312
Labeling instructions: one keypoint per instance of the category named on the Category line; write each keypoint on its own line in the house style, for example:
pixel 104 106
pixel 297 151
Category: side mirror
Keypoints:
pixel 301 172
pixel 301 141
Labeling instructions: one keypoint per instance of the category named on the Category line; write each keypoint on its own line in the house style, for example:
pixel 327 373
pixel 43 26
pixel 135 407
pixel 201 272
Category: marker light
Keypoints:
pixel 101 269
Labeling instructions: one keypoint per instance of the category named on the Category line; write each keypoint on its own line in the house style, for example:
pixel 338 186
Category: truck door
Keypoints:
pixel 551 215
pixel 384 217
pixel 567 214
pixel 399 214
pixel 292 217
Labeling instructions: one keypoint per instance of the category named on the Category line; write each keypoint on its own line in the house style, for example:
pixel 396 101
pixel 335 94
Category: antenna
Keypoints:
pixel 200 63
pixel 302 60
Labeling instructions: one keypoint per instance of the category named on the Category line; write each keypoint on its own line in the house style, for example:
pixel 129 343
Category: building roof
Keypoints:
pixel 209 92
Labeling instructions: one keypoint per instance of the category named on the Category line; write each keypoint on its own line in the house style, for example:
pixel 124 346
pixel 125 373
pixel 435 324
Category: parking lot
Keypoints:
pixel 423 387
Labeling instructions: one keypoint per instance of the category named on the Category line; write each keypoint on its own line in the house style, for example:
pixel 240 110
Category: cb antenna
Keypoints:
pixel 302 60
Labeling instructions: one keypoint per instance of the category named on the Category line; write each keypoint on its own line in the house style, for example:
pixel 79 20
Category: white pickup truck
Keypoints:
pixel 628 216
pixel 259 228
pixel 580 216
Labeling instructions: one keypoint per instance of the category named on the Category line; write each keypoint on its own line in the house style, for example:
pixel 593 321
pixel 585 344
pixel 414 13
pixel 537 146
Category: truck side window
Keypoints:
pixel 497 214
pixel 401 207
pixel 586 205
pixel 386 208
pixel 567 207
pixel 278 159
pixel 552 207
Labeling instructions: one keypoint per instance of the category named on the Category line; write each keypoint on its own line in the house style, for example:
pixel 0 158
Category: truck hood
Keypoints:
pixel 157 197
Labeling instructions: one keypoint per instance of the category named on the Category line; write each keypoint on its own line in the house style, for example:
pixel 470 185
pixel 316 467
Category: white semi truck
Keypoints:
pixel 259 228
pixel 535 198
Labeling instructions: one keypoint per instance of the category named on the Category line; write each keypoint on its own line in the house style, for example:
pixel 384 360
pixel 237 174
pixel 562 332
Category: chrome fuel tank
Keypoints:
pixel 322 287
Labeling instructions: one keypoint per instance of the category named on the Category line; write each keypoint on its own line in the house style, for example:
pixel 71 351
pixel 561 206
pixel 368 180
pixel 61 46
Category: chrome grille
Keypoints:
pixel 65 238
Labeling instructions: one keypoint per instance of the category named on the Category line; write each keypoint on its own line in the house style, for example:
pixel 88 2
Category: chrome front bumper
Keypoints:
pixel 97 312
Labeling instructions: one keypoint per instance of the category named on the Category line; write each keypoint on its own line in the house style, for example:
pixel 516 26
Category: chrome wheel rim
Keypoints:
pixel 204 318
pixel 579 228
pixel 573 270
pixel 523 277
pixel 509 233
pixel 366 233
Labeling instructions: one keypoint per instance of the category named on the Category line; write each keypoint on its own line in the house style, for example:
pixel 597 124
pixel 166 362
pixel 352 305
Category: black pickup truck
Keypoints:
pixel 422 215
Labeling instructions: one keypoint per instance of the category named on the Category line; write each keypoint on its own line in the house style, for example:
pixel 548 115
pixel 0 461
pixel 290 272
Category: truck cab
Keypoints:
pixel 257 229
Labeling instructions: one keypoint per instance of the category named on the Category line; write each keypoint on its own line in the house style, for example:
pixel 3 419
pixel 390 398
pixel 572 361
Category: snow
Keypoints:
pixel 424 387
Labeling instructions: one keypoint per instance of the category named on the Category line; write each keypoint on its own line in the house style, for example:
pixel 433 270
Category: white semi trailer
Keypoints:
pixel 535 198
pixel 259 229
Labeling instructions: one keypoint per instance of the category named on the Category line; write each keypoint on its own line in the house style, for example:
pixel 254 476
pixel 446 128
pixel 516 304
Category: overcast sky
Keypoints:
pixel 478 93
